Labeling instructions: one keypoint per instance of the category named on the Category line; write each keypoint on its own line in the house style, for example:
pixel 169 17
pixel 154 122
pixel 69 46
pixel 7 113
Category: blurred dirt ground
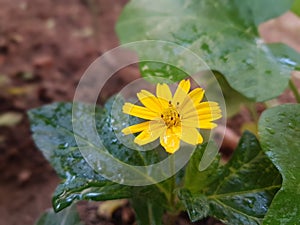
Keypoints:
pixel 45 46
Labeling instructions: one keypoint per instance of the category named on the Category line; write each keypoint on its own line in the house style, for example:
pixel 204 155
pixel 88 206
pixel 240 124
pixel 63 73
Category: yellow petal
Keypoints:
pixel 191 101
pixel 181 92
pixel 170 140
pixel 155 129
pixel 210 105
pixel 212 110
pixel 176 130
pixel 190 123
pixel 202 108
pixel 139 111
pixel 206 114
pixel 197 95
pixel 209 111
pixel 202 124
pixel 186 106
pixel 150 101
pixel 207 125
pixel 163 91
pixel 191 135
pixel 210 117
pixel 136 128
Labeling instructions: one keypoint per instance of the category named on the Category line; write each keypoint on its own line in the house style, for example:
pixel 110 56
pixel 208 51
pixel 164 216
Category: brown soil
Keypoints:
pixel 45 46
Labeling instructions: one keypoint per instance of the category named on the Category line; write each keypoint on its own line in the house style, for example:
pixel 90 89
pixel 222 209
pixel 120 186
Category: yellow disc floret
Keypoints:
pixel 170 116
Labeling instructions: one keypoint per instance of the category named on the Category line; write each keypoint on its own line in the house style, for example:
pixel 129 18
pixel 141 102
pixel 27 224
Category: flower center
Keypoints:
pixel 171 116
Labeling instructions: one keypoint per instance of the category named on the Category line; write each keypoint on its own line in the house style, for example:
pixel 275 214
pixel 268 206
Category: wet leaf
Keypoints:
pixel 148 212
pixel 233 99
pixel 237 193
pixel 284 55
pixel 257 11
pixel 54 135
pixel 66 217
pixel 223 33
pixel 204 178
pixel 279 130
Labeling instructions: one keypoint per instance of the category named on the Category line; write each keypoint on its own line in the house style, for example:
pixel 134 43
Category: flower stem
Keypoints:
pixel 173 181
pixel 252 109
pixel 294 90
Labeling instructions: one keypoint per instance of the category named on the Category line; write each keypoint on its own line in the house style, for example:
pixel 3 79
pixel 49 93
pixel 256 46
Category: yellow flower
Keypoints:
pixel 172 118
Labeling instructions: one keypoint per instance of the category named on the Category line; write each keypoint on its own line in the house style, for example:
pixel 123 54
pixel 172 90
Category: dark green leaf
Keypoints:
pixel 279 130
pixel 204 178
pixel 197 205
pixel 68 216
pixel 222 33
pixel 54 135
pixel 238 193
pixel 148 212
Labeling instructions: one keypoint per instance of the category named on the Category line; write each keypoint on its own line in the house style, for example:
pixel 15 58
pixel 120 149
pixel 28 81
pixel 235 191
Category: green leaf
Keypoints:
pixel 68 216
pixel 233 99
pixel 204 178
pixel 154 71
pixel 148 212
pixel 54 135
pixel 279 130
pixel 288 57
pixel 258 11
pixel 237 193
pixel 223 33
pixel 296 7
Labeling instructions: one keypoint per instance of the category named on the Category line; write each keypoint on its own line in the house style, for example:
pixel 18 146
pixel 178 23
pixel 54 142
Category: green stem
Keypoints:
pixel 294 90
pixel 172 182
pixel 253 112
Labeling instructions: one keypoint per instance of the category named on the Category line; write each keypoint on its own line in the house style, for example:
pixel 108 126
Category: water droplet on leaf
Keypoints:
pixel 291 125
pixel 63 146
pixel 270 130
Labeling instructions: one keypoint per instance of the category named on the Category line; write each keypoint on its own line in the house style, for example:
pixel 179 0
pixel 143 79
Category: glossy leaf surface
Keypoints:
pixel 237 193
pixel 233 99
pixel 66 217
pixel 279 130
pixel 148 212
pixel 222 33
pixel 54 135
pixel 257 11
